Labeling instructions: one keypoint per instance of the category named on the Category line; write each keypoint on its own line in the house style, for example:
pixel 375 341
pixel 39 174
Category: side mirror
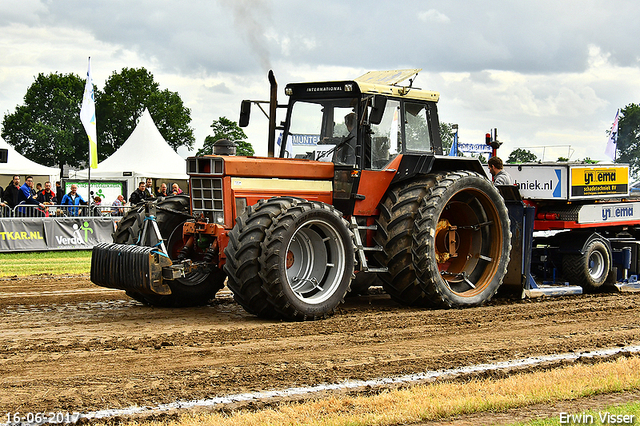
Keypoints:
pixel 377 109
pixel 245 113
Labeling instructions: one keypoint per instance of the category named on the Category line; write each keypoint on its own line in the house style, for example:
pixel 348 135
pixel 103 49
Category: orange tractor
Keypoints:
pixel 355 189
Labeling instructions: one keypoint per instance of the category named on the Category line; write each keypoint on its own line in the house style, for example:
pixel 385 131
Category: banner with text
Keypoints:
pixel 39 234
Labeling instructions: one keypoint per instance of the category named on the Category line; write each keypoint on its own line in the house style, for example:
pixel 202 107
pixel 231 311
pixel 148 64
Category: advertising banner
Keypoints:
pixel 597 181
pixel 38 234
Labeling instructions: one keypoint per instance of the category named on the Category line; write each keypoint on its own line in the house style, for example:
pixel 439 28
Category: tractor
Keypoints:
pixel 354 191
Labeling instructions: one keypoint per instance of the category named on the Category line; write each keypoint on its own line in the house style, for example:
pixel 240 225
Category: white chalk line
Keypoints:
pixel 350 384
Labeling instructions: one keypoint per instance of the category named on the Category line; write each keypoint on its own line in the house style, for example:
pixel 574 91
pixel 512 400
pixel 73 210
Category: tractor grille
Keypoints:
pixel 206 198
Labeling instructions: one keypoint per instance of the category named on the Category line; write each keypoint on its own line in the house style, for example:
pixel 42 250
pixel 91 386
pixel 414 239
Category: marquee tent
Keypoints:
pixel 18 164
pixel 144 154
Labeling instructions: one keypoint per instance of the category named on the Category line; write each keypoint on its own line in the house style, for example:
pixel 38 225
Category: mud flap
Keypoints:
pixel 129 267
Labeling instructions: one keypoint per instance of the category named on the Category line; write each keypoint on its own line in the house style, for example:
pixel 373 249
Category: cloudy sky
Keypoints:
pixel 546 73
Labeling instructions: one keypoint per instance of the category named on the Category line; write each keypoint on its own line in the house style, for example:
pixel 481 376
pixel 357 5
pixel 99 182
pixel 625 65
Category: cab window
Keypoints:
pixel 416 127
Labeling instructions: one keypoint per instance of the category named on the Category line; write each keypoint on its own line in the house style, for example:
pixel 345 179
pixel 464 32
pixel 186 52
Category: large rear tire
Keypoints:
pixel 244 250
pixel 588 270
pixel 398 211
pixel 307 260
pixel 196 288
pixel 462 240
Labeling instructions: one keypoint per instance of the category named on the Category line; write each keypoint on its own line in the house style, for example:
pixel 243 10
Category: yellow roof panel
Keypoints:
pixel 387 77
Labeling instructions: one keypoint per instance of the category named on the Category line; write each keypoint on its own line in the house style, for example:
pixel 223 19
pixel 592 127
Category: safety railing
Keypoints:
pixel 57 210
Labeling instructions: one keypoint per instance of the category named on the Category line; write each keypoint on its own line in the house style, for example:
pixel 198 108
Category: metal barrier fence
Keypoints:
pixel 57 210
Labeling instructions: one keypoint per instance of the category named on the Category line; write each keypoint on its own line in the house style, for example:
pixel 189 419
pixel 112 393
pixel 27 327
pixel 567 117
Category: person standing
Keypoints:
pixel 73 199
pixel 27 195
pixel 496 168
pixel 11 192
pixel 149 189
pixel 59 192
pixel 139 195
pixel 175 189
pixel 162 192
pixel 47 196
pixel 118 206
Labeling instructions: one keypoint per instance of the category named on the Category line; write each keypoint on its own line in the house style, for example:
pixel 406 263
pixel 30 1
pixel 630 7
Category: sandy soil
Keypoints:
pixel 67 345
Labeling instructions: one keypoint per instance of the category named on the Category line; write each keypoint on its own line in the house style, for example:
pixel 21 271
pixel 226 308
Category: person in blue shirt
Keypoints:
pixel 27 195
pixel 73 199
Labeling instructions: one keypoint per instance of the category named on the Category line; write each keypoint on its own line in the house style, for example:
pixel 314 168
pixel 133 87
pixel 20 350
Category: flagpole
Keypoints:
pixel 89 175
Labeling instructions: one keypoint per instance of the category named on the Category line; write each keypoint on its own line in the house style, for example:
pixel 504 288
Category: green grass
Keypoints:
pixel 629 409
pixel 49 262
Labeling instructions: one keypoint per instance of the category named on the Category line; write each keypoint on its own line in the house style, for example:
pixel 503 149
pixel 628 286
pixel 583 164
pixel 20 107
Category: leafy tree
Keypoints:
pixel 520 155
pixel 125 96
pixel 588 160
pixel 562 159
pixel 223 128
pixel 47 128
pixel 446 135
pixel 628 146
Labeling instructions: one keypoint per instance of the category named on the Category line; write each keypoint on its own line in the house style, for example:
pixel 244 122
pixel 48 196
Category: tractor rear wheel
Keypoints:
pixel 462 240
pixel 243 251
pixel 588 270
pixel 196 288
pixel 398 211
pixel 307 260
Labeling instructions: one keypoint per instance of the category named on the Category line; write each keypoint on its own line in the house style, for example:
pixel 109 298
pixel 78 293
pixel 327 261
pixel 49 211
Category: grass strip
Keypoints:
pixel 49 262
pixel 434 401
pixel 606 416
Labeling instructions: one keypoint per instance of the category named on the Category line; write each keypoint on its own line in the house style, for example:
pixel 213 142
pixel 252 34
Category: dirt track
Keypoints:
pixel 67 345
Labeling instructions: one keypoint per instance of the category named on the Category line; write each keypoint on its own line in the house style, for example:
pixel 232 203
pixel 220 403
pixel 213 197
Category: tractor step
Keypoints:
pixel 361 249
pixel 129 267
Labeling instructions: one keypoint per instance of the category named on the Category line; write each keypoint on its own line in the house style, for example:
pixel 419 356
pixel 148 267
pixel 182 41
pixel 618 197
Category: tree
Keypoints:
pixel 446 136
pixel 562 159
pixel 520 155
pixel 47 128
pixel 628 146
pixel 125 96
pixel 223 128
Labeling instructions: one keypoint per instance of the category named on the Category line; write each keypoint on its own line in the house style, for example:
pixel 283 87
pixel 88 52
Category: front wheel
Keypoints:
pixel 462 240
pixel 307 260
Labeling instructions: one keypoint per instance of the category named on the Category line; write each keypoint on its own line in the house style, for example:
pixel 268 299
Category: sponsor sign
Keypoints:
pixel 596 181
pixel 609 212
pixel 481 148
pixel 107 191
pixel 539 182
pixel 37 234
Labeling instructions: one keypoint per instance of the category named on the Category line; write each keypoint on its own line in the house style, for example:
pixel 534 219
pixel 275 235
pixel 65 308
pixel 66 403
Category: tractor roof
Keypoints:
pixel 373 82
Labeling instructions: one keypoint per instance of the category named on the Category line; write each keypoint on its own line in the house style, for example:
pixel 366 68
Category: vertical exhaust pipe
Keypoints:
pixel 273 106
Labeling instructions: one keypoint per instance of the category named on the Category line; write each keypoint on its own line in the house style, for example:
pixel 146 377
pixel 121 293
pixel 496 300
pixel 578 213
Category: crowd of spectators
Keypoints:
pixel 29 199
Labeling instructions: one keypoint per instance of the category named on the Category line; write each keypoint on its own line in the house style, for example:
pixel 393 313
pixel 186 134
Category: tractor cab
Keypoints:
pixel 361 124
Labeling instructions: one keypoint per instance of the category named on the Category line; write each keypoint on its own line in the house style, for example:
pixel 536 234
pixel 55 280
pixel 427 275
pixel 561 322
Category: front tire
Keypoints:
pixel 462 240
pixel 307 260
pixel 196 288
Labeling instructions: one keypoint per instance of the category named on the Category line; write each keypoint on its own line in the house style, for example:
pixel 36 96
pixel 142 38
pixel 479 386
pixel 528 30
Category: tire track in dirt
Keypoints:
pixel 88 351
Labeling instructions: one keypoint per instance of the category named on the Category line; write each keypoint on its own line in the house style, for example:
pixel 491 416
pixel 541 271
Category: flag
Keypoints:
pixel 88 118
pixel 454 146
pixel 610 150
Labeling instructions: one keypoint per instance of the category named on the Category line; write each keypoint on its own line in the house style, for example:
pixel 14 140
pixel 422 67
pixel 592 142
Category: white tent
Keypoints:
pixel 17 164
pixel 144 154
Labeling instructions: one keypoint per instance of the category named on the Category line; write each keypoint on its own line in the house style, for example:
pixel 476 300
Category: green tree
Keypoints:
pixel 125 96
pixel 446 136
pixel 520 155
pixel 562 159
pixel 47 128
pixel 628 146
pixel 223 128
